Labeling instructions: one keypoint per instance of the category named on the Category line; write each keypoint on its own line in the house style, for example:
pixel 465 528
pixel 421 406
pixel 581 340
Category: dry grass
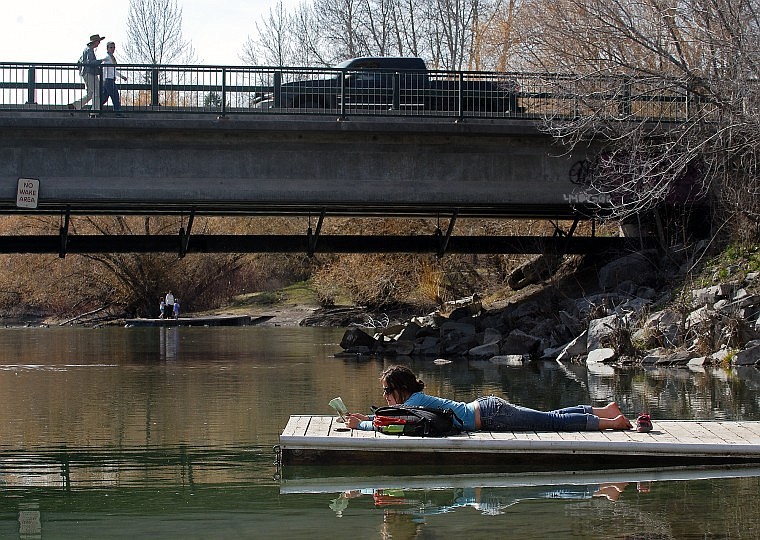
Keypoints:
pixel 132 284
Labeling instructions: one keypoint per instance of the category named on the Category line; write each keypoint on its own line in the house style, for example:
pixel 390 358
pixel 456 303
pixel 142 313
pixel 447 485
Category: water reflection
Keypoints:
pixel 637 504
pixel 168 342
pixel 419 504
pixel 169 432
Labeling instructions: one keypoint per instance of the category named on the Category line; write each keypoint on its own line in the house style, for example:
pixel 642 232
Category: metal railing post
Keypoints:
pixel 693 102
pixel 277 88
pixel 343 94
pixel 224 92
pixel 396 91
pixel 30 87
pixel 625 104
pixel 154 87
pixel 97 98
pixel 460 96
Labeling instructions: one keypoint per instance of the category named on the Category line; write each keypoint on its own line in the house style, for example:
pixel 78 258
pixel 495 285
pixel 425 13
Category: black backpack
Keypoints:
pixel 416 421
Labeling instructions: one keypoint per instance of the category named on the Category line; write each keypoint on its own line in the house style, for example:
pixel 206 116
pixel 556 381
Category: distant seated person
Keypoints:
pixel 402 387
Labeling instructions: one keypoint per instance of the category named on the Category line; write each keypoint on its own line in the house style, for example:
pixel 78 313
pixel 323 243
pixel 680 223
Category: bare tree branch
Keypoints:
pixel 154 29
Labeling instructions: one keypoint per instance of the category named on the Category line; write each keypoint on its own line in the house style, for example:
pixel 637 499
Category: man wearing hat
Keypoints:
pixel 89 71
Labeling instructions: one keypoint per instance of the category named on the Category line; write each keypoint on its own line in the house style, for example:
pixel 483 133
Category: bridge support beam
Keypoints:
pixel 313 237
pixel 63 233
pixel 184 235
pixel 302 244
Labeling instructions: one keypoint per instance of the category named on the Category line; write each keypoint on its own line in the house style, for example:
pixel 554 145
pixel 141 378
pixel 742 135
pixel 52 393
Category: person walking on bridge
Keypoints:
pixel 109 79
pixel 89 68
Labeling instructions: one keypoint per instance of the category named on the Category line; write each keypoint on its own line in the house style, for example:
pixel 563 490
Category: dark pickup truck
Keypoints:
pixel 395 84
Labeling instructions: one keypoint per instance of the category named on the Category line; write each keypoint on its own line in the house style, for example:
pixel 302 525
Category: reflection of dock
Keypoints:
pixel 339 484
pixel 310 440
pixel 211 320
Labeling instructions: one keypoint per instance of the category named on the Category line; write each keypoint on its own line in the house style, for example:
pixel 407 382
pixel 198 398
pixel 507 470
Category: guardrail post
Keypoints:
pixel 154 87
pixel 224 92
pixel 30 87
pixel 625 104
pixel 460 96
pixel 343 94
pixel 277 88
pixel 693 102
pixel 396 91
pixel 97 98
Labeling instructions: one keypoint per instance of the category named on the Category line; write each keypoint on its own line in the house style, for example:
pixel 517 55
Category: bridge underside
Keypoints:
pixel 310 244
pixel 320 167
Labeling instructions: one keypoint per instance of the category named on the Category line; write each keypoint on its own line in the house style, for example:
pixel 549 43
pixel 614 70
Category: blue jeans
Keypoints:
pixel 110 90
pixel 497 414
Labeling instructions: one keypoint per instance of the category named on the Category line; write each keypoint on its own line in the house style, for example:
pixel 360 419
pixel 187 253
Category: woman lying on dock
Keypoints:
pixel 402 387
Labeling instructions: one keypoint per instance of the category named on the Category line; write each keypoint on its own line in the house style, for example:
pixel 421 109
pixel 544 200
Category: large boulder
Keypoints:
pixel 427 346
pixel 678 358
pixel 355 338
pixel 709 295
pixel 489 350
pixel 637 268
pixel 533 271
pixel 577 347
pixel 661 329
pixel 601 355
pixel 518 342
pixel 750 356
pixel 602 332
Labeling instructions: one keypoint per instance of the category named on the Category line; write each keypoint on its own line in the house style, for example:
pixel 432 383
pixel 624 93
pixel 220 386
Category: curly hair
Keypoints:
pixel 403 379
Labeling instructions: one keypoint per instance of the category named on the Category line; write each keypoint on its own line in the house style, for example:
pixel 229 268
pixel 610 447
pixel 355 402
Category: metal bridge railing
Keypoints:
pixel 223 90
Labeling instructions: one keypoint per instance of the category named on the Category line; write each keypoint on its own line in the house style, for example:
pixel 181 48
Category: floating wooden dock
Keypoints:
pixel 211 320
pixel 323 440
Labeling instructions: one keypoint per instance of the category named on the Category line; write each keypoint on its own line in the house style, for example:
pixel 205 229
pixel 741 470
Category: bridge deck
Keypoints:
pixel 284 165
pixel 323 440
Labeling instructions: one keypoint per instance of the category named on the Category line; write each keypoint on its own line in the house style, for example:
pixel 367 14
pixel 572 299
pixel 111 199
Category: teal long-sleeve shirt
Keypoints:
pixel 465 411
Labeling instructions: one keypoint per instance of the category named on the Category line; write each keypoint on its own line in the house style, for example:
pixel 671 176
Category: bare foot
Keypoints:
pixel 610 411
pixel 619 422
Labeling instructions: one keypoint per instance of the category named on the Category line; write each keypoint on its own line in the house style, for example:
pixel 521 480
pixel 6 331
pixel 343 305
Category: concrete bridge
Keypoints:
pixel 286 165
pixel 193 143
pixel 195 165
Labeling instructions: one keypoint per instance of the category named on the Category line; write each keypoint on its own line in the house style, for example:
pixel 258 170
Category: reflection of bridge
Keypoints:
pixel 180 153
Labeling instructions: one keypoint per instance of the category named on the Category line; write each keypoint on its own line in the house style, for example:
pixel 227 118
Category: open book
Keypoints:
pixel 340 407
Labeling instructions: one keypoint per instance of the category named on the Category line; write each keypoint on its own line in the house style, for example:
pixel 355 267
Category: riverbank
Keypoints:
pixel 644 308
pixel 649 307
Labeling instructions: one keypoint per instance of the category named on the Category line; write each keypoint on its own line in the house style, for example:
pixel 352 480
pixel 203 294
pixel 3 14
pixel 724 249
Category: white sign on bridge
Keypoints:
pixel 28 192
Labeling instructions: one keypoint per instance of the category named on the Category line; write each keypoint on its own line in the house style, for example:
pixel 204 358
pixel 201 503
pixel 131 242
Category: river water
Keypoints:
pixel 169 433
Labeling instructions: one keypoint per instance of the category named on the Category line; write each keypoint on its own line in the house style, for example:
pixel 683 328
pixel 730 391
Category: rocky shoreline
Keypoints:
pixel 630 317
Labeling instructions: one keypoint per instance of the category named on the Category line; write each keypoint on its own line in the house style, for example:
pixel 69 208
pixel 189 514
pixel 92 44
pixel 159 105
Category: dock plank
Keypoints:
pixel 297 426
pixel 702 433
pixel 740 432
pixel 319 426
pixel 719 431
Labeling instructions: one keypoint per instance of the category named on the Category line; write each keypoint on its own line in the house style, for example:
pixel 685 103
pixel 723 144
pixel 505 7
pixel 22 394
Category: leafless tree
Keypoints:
pixel 699 58
pixel 154 29
pixel 274 41
pixel 447 33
